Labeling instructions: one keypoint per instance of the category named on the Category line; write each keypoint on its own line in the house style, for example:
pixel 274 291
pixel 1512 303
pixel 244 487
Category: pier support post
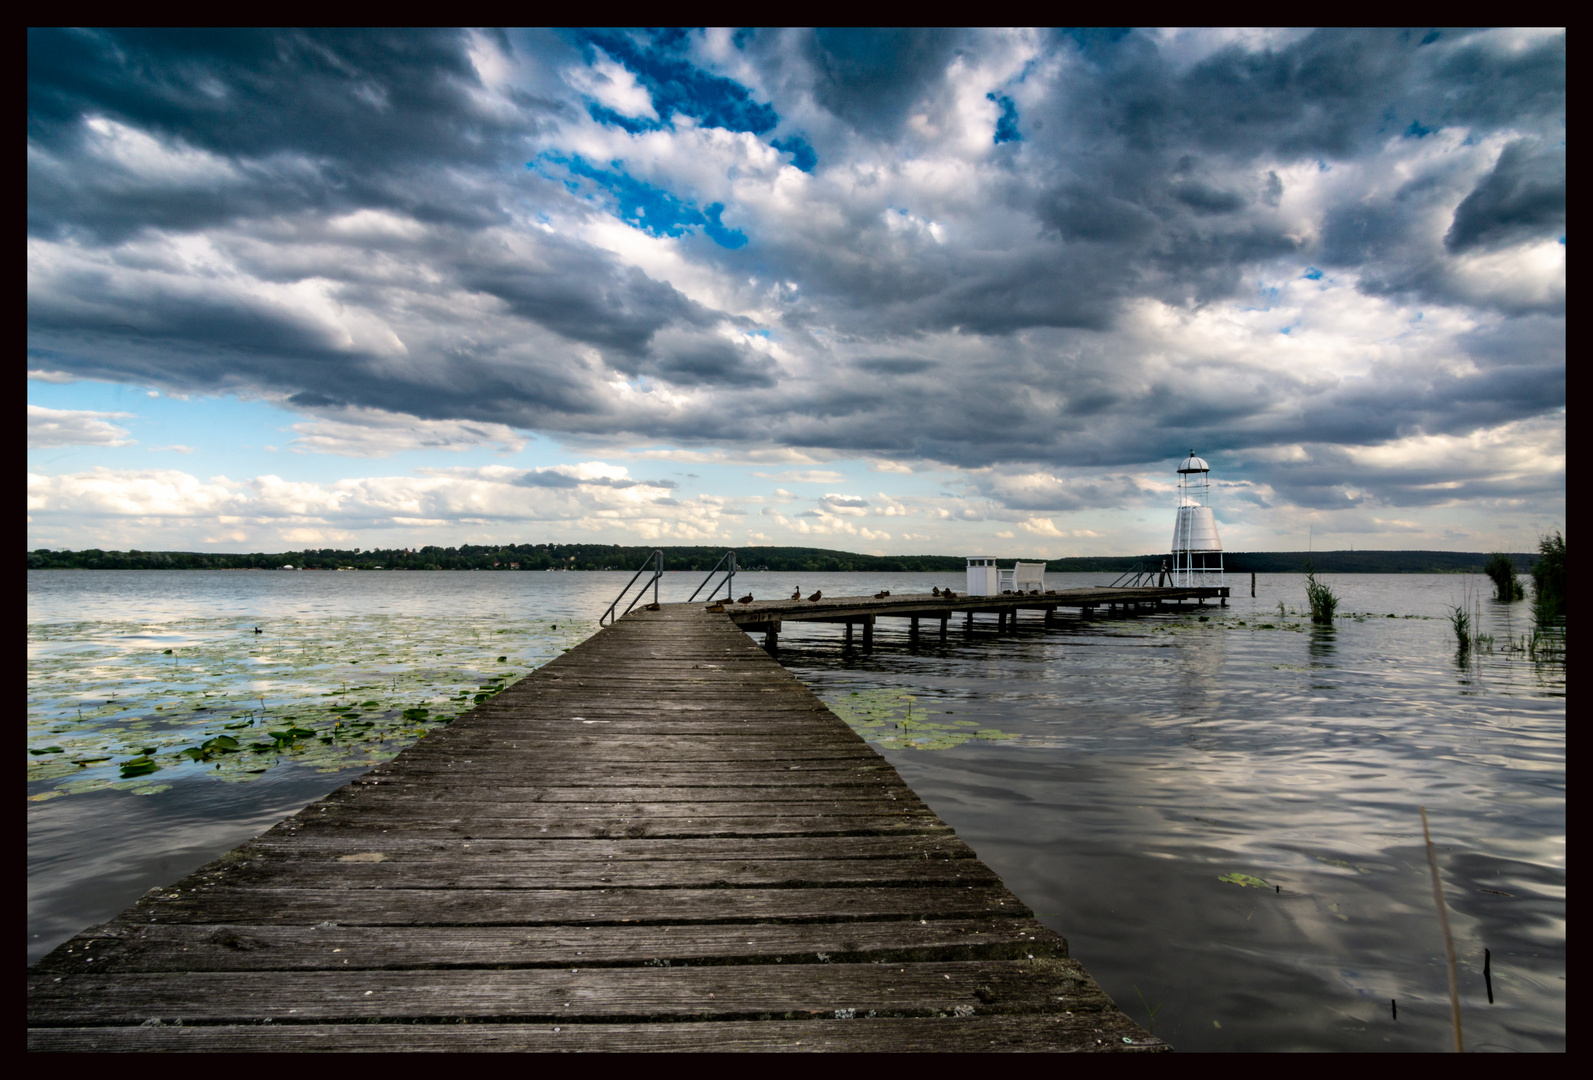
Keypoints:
pixel 912 630
pixel 868 633
pixel 848 646
pixel 771 640
pixel 967 624
pixel 944 619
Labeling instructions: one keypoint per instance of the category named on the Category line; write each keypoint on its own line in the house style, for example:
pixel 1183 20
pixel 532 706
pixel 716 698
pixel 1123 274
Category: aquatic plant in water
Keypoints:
pixel 893 719
pixel 1548 579
pixel 133 706
pixel 1501 570
pixel 1321 599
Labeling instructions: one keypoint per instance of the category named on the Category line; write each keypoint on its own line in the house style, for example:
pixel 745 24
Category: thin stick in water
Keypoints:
pixel 1443 924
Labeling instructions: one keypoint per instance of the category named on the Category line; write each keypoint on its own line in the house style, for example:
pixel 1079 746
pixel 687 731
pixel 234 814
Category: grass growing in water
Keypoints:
pixel 1501 569
pixel 1321 598
pixel 1460 620
pixel 1548 579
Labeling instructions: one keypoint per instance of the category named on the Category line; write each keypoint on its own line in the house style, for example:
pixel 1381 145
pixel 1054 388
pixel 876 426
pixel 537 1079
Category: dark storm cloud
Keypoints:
pixel 344 219
pixel 870 78
pixel 306 118
pixel 1524 196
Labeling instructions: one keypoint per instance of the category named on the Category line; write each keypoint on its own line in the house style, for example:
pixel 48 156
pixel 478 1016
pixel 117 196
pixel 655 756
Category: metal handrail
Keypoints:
pixel 656 560
pixel 730 576
pixel 1135 575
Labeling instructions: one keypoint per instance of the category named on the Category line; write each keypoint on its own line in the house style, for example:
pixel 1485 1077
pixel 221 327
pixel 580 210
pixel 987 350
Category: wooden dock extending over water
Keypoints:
pixel 766 616
pixel 659 841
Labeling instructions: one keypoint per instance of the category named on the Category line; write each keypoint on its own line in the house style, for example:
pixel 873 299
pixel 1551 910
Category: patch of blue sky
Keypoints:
pixel 1312 274
pixel 234 437
pixel 633 124
pixel 803 156
pixel 649 207
pixel 679 86
pixel 1007 124
pixel 1417 131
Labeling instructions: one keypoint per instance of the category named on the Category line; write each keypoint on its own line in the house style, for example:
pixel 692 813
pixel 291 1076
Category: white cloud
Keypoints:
pixel 609 83
pixel 74 427
pixel 370 433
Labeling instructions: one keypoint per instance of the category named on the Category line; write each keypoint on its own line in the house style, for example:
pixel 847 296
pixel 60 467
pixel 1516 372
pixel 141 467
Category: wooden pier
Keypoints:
pixel 659 841
pixel 767 616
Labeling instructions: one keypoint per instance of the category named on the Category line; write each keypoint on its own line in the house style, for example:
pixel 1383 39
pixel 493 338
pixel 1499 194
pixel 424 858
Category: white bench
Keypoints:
pixel 1024 577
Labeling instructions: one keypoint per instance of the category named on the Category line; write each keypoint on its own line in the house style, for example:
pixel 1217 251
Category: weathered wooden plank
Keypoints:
pixel 942 845
pixel 598 826
pixel 130 946
pixel 1057 1033
pixel 246 905
pixel 860 795
pixel 466 870
pixel 729 991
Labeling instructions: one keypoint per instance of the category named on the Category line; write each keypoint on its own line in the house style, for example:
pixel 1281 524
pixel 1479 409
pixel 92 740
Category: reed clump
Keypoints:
pixel 1322 599
pixel 1501 569
pixel 1548 579
pixel 1460 620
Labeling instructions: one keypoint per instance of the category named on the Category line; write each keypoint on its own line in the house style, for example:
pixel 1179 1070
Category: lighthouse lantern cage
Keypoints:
pixel 1197 549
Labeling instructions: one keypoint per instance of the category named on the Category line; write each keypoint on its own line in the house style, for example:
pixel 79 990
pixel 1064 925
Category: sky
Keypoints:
pixel 950 292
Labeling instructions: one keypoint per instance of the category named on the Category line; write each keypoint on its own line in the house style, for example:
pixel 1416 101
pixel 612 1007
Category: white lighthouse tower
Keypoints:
pixel 1197 549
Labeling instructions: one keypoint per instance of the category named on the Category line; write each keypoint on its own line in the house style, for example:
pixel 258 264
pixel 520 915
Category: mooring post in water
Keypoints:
pixel 1252 584
pixel 868 633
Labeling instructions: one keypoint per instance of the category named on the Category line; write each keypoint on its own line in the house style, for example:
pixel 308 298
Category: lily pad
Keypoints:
pixel 1245 880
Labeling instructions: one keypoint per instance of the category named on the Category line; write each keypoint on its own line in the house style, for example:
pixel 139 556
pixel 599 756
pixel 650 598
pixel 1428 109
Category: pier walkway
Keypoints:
pixel 659 841
pixel 767 615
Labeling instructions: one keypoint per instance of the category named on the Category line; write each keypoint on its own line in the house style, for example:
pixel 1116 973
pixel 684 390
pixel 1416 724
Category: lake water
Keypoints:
pixel 1113 772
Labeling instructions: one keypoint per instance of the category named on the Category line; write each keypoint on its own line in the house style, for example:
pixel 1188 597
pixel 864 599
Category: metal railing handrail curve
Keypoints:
pixel 730 576
pixel 656 560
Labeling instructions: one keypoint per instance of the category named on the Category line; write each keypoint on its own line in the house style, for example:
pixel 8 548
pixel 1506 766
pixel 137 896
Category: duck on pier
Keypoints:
pixel 798 594
pixel 818 594
pixel 745 599
pixel 935 591
pixel 882 594
pixel 947 594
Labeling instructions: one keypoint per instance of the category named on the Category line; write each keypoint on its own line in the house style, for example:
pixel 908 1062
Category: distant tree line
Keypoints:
pixel 528 557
